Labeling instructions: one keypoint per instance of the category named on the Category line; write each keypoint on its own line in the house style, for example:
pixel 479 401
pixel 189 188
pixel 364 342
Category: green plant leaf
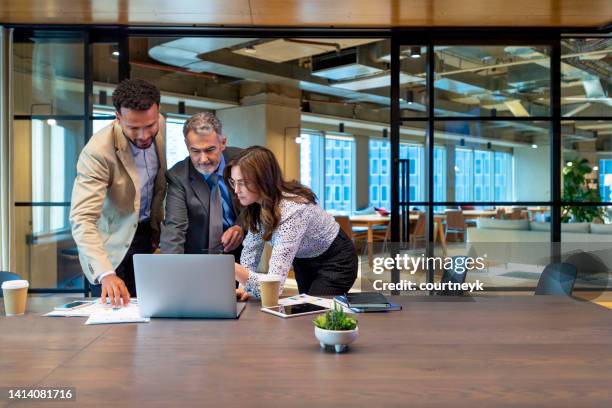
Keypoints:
pixel 335 320
pixel 575 188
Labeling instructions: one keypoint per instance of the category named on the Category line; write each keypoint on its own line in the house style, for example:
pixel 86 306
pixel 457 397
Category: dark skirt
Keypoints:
pixel 331 273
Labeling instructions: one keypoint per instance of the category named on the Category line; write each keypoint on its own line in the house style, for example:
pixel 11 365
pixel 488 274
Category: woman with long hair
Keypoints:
pixel 302 234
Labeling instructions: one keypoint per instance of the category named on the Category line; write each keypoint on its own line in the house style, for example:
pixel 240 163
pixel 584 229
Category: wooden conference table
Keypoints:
pixel 461 352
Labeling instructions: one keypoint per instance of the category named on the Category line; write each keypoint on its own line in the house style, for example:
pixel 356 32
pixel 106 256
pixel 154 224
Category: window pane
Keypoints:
pixel 413 89
pixel 587 158
pixel 340 151
pixel 512 258
pixel 48 150
pixel 495 160
pixel 176 150
pixel 48 259
pixel 311 164
pixel 378 151
pixel 48 75
pixel 586 236
pixel 105 70
pixel 586 69
pixel 492 81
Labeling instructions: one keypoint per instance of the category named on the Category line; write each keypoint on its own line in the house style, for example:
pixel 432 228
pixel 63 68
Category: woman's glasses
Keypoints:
pixel 239 183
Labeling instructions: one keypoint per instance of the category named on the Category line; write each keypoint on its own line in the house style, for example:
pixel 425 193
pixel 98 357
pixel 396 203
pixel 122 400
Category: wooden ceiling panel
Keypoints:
pixel 310 13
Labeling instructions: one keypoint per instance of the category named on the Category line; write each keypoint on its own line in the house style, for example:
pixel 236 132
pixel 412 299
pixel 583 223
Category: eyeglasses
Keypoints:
pixel 239 183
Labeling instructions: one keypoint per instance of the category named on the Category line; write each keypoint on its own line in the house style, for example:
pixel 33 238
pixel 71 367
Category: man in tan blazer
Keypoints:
pixel 119 190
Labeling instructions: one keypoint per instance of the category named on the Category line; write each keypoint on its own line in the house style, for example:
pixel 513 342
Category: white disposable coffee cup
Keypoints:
pixel 15 294
pixel 269 286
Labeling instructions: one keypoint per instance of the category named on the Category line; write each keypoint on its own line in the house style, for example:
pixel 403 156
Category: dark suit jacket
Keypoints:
pixel 185 229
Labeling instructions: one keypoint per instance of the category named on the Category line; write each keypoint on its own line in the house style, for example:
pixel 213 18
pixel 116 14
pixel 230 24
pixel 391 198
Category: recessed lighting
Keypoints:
pixel 595 168
pixel 568 164
pixel 534 146
pixel 51 122
pixel 115 53
pixel 298 140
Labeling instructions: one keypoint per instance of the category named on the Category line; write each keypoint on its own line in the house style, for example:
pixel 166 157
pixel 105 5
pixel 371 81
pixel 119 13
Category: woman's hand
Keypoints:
pixel 242 274
pixel 242 295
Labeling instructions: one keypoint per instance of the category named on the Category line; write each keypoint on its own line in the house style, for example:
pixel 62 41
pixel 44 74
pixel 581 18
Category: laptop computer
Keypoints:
pixel 186 285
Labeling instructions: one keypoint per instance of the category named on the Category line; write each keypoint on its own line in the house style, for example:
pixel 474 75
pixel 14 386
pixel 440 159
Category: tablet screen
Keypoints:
pixel 291 310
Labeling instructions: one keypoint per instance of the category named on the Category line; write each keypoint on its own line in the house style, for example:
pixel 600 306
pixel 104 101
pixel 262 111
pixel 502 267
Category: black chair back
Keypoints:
pixel 557 279
pixel 456 274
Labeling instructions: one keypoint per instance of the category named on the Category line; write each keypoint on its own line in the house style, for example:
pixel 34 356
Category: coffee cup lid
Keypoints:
pixel 15 284
pixel 269 278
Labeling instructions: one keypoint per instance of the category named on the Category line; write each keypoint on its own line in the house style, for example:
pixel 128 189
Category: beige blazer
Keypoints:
pixel 106 199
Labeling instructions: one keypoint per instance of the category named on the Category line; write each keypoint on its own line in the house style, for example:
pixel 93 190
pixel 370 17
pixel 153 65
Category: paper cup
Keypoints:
pixel 269 287
pixel 15 294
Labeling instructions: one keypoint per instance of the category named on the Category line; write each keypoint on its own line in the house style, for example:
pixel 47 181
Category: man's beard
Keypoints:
pixel 204 172
pixel 139 147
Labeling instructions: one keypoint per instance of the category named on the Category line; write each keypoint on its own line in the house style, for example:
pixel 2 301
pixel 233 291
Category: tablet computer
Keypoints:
pixel 299 309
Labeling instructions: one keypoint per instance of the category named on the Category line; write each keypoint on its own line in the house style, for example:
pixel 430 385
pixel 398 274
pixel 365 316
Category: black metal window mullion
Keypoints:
pixel 430 233
pixel 124 55
pixel 556 147
pixel 395 149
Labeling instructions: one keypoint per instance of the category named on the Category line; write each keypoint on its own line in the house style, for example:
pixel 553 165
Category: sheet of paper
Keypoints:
pixel 303 298
pixel 84 311
pixel 108 315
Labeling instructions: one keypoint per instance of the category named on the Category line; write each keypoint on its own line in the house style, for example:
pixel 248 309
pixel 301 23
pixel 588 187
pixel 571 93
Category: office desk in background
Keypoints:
pixel 371 220
pixel 460 352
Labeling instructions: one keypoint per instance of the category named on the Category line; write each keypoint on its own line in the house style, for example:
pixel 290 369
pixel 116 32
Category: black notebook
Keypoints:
pixel 367 299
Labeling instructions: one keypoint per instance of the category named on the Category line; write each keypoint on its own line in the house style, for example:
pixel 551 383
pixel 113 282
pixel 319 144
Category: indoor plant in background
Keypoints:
pixel 335 328
pixel 576 189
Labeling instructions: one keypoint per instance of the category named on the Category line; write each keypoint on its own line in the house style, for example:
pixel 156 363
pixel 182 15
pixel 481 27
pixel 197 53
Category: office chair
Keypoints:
pixel 557 279
pixel 7 276
pixel 455 223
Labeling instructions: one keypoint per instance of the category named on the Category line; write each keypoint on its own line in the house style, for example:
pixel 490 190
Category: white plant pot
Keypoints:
pixel 339 339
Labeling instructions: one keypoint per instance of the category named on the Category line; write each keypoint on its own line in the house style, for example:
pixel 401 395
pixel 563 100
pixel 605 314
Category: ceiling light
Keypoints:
pixel 298 140
pixel 568 164
pixel 115 53
pixel 595 168
pixel 457 169
pixel 51 122
pixel 250 50
pixel 534 146
pixel 415 52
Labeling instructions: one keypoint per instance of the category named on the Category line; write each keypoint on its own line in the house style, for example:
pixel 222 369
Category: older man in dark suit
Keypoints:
pixel 202 213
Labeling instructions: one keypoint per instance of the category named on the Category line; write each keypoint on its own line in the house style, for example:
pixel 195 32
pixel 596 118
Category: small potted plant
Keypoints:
pixel 336 329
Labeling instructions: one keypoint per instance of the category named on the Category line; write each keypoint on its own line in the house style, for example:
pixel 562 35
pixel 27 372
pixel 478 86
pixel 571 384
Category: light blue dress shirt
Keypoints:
pixel 147 165
pixel 228 210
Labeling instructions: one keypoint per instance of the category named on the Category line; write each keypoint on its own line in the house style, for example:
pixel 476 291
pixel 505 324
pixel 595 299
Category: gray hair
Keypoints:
pixel 203 123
